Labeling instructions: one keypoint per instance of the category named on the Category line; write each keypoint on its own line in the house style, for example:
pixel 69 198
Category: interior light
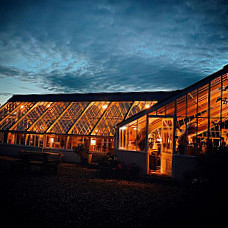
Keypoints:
pixel 104 106
pixel 123 128
pixel 51 140
pixel 22 106
pixel 93 142
pixel 147 106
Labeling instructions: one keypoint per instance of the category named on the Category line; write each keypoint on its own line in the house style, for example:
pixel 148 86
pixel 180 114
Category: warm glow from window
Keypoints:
pixel 22 106
pixel 51 140
pixel 104 106
pixel 123 128
pixel 147 106
pixel 93 142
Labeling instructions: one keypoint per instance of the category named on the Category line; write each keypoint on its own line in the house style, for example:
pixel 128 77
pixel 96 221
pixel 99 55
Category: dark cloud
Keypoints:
pixel 105 45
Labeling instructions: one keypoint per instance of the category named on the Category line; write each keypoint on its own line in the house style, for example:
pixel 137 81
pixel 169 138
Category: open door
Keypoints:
pixel 166 146
pixel 160 145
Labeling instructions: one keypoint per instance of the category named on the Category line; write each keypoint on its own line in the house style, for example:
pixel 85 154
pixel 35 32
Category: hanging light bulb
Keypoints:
pixel 104 106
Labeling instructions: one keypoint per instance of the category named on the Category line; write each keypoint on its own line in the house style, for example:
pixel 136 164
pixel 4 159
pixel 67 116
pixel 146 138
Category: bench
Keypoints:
pixel 46 161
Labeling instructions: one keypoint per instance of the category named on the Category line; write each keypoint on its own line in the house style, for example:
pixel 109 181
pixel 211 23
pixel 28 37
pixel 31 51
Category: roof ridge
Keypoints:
pixel 107 96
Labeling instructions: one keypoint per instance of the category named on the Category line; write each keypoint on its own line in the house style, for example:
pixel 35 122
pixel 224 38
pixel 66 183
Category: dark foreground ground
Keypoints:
pixel 77 197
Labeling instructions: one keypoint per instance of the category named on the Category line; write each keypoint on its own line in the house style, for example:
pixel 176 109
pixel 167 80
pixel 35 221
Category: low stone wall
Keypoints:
pixel 13 150
pixel 182 165
pixel 130 157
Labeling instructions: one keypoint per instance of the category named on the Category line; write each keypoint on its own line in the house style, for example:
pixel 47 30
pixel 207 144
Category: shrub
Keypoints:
pixel 107 165
pixel 211 167
pixel 110 160
pixel 110 167
pixel 83 152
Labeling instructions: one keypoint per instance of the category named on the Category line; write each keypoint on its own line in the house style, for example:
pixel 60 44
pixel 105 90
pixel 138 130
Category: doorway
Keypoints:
pixel 160 145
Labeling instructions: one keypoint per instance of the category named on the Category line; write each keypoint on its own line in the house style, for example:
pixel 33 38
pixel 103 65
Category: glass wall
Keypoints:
pixel 201 117
pixel 66 125
pixel 133 136
pixel 201 120
pixel 95 144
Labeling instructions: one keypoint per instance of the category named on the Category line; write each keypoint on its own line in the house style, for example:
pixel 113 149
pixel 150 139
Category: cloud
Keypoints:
pixel 87 46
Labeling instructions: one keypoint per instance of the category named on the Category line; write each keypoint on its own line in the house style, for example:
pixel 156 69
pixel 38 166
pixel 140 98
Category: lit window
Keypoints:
pixel 93 142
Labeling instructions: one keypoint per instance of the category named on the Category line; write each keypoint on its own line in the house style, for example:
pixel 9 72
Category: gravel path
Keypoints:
pixel 77 197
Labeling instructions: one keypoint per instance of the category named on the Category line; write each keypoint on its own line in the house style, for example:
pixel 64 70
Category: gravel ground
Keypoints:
pixel 77 197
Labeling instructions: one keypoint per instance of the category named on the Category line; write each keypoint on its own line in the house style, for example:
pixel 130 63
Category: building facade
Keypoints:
pixel 166 138
pixel 64 121
pixel 160 132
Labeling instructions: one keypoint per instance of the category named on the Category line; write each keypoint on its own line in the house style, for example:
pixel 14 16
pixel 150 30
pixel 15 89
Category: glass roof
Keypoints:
pixel 97 118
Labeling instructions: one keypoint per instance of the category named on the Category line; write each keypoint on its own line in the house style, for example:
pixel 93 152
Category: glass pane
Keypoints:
pixel 170 108
pixel 114 114
pixel 141 134
pixel 123 137
pixel 153 113
pixel 203 101
pixel 161 111
pixel 132 131
pixel 56 141
pixel 215 98
pixel 133 135
pixel 14 116
pixel 202 128
pixel 186 132
pixel 181 136
pixel 215 131
pixel 223 125
pixel 192 103
pixel 154 135
pixel 139 106
pixel 224 100
pixel 181 106
pixel 191 132
pixel 7 109
pixel 64 124
pixel 49 117
pixel 32 116
pixel 90 118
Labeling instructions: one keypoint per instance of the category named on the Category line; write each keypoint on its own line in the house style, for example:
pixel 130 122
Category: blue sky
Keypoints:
pixel 55 46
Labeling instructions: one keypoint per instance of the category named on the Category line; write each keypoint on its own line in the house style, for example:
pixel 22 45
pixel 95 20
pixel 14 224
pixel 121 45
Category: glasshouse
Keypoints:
pixel 64 121
pixel 159 132
pixel 165 138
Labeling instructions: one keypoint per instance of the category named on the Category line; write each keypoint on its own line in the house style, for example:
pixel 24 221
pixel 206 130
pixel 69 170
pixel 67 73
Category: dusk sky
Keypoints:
pixel 61 46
